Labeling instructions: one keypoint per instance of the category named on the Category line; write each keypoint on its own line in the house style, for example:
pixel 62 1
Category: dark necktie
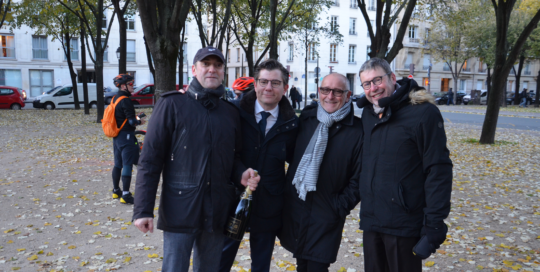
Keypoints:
pixel 262 123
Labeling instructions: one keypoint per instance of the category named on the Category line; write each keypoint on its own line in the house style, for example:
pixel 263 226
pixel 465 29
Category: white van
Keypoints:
pixel 62 97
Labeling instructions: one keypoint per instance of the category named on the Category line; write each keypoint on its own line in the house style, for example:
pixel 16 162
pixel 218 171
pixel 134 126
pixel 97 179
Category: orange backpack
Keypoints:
pixel 109 122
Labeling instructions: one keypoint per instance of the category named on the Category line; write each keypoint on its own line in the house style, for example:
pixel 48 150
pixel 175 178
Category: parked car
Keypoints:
pixel 11 98
pixel 142 95
pixel 443 99
pixel 62 97
pixel 531 96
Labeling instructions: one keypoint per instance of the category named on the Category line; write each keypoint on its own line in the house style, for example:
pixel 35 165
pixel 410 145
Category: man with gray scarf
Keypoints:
pixel 322 181
pixel 193 143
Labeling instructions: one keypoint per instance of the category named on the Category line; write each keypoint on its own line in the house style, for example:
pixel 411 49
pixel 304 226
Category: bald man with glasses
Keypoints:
pixel 322 180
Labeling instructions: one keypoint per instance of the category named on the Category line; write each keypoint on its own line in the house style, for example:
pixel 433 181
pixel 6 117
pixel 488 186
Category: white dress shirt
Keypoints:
pixel 271 119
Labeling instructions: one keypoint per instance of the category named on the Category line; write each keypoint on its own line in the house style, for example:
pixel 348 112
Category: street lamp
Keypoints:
pixel 118 53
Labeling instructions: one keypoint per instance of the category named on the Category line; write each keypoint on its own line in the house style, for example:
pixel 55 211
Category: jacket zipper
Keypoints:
pixel 177 143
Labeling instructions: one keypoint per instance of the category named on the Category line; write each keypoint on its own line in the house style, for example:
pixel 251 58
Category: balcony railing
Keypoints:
pixel 352 32
pixel 512 72
pixel 354 6
pixel 482 70
pixel 527 73
pixel 407 66
pixel 446 68
pixel 7 53
pixel 372 8
pixel 130 56
pixel 414 40
pixel 468 70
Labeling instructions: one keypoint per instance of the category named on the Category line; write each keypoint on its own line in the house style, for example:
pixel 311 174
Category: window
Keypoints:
pixel 354 4
pixel 371 5
pixel 409 60
pixel 104 20
pixel 352 51
pixel 8 46
pixel 6 91
pixel 291 52
pixel 425 81
pixel 352 26
pixel 313 25
pixel 335 3
pixel 311 51
pixel 368 50
pixel 11 78
pixel 40 81
pixel 334 24
pixel 130 51
pixel 527 68
pixel 427 36
pixel 412 33
pixel 333 51
pixel 39 47
pixel 105 52
pixel 427 61
pixel 237 54
pixel 462 84
pixel 237 72
pixel 74 49
pixel 130 23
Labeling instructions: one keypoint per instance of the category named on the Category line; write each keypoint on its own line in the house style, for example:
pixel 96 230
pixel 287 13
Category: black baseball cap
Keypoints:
pixel 208 51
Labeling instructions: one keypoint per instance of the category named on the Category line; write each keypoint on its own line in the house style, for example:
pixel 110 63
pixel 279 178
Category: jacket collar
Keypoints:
pixel 124 93
pixel 247 104
pixel 397 100
pixel 209 98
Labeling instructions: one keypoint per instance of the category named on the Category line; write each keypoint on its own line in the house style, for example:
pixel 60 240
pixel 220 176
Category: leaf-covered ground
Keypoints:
pixel 58 214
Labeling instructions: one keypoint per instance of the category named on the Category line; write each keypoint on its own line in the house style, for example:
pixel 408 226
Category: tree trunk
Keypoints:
pixel 122 66
pixel 181 61
pixel 273 30
pixel 536 101
pixel 98 65
pixel 83 70
pixel 518 78
pixel 488 84
pixel 72 73
pixel 149 59
pixel 162 21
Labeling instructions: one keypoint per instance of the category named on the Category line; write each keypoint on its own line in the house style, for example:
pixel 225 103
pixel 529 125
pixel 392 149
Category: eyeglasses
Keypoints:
pixel 376 82
pixel 263 82
pixel 337 92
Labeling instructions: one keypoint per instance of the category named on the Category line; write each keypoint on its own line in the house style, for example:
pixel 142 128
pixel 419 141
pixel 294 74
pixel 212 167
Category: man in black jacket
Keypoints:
pixel 295 97
pixel 125 145
pixel 193 141
pixel 269 127
pixel 406 178
pixel 322 180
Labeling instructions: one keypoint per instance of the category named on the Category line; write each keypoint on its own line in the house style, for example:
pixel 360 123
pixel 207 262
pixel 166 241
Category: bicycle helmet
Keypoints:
pixel 312 95
pixel 243 84
pixel 122 79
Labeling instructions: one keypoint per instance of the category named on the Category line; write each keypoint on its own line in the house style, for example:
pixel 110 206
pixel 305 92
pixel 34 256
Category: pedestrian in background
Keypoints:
pixel 193 144
pixel 450 97
pixel 406 179
pixel 295 97
pixel 523 97
pixel 242 85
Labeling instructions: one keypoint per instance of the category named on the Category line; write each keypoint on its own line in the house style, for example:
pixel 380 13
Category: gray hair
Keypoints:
pixel 374 63
pixel 343 79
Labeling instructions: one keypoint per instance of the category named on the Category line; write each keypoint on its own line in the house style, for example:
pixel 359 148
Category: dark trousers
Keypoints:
pixel 389 253
pixel 303 265
pixel 261 245
pixel 294 102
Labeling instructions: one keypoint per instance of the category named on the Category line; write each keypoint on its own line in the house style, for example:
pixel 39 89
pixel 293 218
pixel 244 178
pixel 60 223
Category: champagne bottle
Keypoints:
pixel 237 224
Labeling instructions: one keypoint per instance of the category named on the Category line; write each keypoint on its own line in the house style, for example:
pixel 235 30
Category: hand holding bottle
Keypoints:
pixel 250 178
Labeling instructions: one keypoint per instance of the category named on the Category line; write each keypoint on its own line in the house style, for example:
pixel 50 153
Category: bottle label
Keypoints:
pixel 234 225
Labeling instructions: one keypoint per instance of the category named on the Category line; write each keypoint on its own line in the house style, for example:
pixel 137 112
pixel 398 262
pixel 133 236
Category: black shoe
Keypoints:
pixel 116 193
pixel 127 199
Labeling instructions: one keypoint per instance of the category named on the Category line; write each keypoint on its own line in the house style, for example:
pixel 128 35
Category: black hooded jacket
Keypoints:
pixel 406 177
pixel 124 110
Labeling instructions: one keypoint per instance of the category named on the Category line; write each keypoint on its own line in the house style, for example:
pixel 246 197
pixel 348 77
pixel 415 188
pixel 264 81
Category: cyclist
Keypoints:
pixel 242 85
pixel 125 145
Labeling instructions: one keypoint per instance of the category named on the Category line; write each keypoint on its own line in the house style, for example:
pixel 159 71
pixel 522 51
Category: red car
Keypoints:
pixel 144 93
pixel 11 98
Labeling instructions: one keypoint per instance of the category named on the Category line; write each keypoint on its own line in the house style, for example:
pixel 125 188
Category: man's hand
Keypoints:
pixel 249 178
pixel 145 224
pixel 143 121
pixel 182 91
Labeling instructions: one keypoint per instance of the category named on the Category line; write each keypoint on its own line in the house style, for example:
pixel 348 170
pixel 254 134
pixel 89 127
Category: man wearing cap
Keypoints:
pixel 193 143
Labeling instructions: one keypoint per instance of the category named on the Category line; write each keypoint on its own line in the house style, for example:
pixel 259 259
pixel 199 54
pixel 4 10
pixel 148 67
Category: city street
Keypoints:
pixel 58 214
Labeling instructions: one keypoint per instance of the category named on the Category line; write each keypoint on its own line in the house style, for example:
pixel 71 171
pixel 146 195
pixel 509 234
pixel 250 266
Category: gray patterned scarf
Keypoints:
pixel 307 173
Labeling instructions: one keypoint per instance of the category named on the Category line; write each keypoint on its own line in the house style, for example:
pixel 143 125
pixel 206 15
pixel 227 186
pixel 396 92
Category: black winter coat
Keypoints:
pixel 312 228
pixel 124 110
pixel 194 146
pixel 268 158
pixel 406 168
